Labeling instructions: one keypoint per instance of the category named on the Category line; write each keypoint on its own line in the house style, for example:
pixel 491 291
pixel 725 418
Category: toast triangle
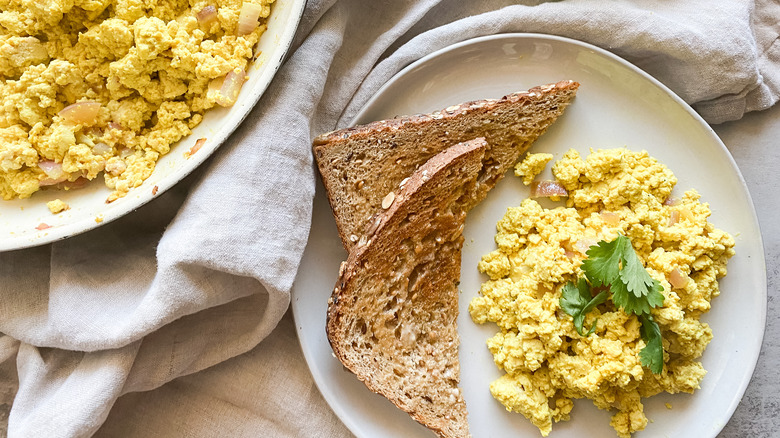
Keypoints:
pixel 361 165
pixel 392 316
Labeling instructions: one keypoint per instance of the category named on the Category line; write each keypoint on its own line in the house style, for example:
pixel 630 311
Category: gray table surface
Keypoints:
pixel 754 142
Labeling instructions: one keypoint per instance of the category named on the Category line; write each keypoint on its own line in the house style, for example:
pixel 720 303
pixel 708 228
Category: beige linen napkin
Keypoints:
pixel 203 273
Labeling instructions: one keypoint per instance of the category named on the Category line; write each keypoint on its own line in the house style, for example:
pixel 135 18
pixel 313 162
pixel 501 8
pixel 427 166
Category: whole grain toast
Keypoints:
pixel 360 166
pixel 392 316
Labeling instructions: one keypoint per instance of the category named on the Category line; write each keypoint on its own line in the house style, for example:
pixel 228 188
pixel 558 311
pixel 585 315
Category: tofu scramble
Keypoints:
pixel 545 361
pixel 94 87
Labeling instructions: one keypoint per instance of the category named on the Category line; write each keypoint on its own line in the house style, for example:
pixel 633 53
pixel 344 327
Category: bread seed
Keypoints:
pixel 353 238
pixel 388 201
pixel 373 224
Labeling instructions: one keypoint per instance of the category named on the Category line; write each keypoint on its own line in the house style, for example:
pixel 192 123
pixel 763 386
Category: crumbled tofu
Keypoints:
pixel 57 206
pixel 532 165
pixel 546 363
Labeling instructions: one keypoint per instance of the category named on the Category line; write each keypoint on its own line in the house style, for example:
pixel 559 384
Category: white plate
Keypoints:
pixel 617 105
pixel 88 209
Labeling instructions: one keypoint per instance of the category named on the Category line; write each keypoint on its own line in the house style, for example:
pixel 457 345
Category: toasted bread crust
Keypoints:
pixel 361 164
pixel 394 306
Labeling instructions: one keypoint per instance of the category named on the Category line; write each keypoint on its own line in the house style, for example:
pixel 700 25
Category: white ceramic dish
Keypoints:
pixel 88 209
pixel 617 105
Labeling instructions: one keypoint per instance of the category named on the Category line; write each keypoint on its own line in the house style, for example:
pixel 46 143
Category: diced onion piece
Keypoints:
pixel 677 279
pixel 125 152
pixel 115 125
pixel 73 185
pixel 248 18
pixel 50 181
pixel 547 189
pixel 671 201
pixel 88 135
pixel 42 226
pixel 228 93
pixel 115 167
pixel 198 144
pixel 610 217
pixel 84 113
pixel 53 171
pixel 101 148
pixel 207 15
pixel 568 249
pixel 674 217
pixel 51 168
pixel 583 245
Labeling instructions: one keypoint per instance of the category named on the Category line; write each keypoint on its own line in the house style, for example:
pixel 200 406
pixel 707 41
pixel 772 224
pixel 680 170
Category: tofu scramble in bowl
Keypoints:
pixel 547 355
pixel 93 88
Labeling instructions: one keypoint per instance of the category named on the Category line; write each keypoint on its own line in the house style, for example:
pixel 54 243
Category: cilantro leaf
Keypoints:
pixel 652 356
pixel 598 299
pixel 574 297
pixel 654 297
pixel 577 301
pixel 630 303
pixel 602 266
pixel 637 305
pixel 616 264
pixel 633 274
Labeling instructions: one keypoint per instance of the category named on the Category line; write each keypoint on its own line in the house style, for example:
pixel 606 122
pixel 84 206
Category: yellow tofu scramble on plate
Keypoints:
pixel 546 361
pixel 93 87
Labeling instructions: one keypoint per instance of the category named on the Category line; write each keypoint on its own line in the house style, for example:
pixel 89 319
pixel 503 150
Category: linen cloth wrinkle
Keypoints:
pixel 9 375
pixel 203 273
pixel 50 376
pixel 194 402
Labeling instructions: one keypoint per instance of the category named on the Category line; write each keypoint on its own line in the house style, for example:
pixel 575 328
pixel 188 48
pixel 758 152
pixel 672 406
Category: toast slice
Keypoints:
pixel 392 318
pixel 360 166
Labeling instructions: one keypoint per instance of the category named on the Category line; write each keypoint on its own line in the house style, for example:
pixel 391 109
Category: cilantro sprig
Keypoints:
pixel 614 267
pixel 577 301
pixel 616 264
pixel 652 356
